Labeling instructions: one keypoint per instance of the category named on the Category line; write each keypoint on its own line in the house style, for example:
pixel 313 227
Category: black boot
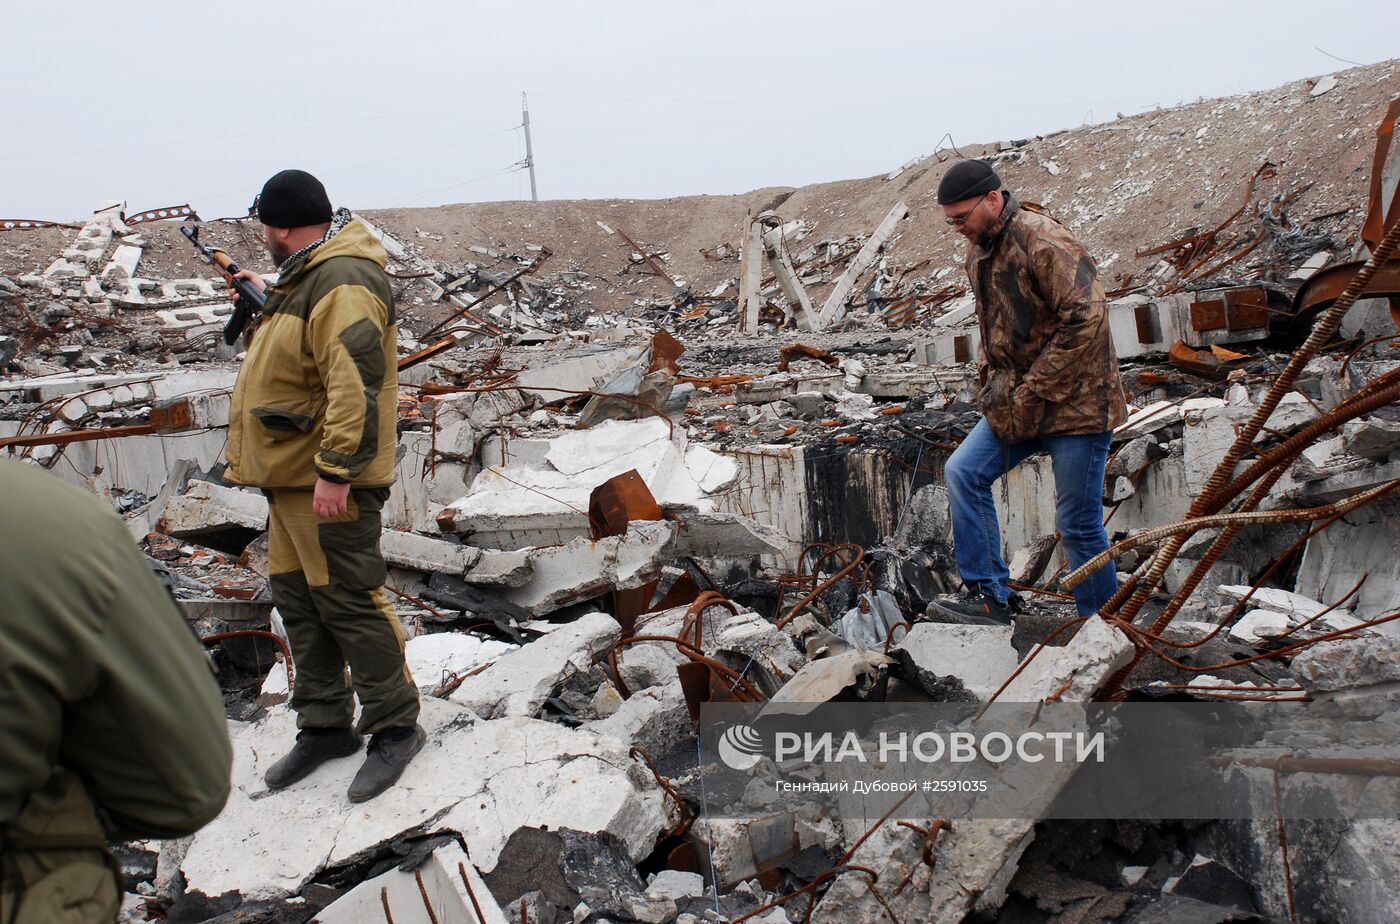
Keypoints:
pixel 314 747
pixel 389 753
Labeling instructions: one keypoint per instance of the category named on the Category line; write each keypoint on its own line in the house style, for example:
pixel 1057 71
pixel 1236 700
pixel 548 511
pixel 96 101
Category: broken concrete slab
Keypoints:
pixel 1349 664
pixel 523 772
pixel 823 680
pixel 654 719
pixel 1371 437
pixel 451 892
pixel 1096 651
pixel 981 657
pixel 206 507
pixel 519 683
pixel 975 861
pixel 704 534
pixel 584 568
pixel 424 553
pixel 542 499
pixel 437 656
pixel 1259 626
pixel 1295 607
pixel 1147 420
pixel 501 569
pixel 554 378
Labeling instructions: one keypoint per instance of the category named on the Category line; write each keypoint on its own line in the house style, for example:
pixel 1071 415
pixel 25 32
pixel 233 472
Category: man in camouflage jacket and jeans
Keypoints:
pixel 313 423
pixel 1049 381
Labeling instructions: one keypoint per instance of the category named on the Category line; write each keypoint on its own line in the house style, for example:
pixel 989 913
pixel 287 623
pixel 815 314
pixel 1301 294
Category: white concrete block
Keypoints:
pixel 206 507
pixel 435 656
pixel 518 683
pixel 483 778
pixel 980 656
pixel 398 892
pixel 426 554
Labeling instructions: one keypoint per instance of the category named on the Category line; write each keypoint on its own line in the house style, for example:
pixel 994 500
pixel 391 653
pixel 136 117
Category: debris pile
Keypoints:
pixel 619 499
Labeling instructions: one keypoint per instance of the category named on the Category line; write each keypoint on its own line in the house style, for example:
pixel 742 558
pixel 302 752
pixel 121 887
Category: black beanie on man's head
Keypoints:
pixel 293 199
pixel 966 180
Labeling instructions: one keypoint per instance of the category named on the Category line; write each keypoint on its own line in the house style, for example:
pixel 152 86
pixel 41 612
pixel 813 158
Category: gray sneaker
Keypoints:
pixel 974 608
pixel 314 747
pixel 389 753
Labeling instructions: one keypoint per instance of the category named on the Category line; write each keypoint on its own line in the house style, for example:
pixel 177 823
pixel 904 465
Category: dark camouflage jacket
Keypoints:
pixel 1046 362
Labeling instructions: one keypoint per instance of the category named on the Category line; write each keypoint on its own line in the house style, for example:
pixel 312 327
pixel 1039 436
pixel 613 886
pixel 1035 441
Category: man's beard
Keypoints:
pixel 278 251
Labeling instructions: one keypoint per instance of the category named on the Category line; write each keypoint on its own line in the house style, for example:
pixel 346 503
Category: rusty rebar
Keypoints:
pixel 687 817
pixel 423 892
pixel 1323 331
pixel 1233 520
pixel 1269 469
pixel 1283 847
pixel 471 893
pixel 384 900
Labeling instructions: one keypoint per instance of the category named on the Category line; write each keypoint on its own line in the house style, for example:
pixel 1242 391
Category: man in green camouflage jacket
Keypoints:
pixel 112 727
pixel 1049 379
pixel 313 423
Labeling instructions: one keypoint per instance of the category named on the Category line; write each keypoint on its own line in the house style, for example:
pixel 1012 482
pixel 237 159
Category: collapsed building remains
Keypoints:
pixel 654 455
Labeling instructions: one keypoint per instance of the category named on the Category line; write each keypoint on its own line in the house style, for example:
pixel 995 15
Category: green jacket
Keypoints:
pixel 1047 361
pixel 111 724
pixel 318 391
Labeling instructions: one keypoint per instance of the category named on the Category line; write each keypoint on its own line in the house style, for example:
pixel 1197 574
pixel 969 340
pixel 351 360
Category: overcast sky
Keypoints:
pixel 418 103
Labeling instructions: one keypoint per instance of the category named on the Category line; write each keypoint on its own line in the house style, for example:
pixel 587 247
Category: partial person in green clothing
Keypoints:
pixel 313 423
pixel 112 726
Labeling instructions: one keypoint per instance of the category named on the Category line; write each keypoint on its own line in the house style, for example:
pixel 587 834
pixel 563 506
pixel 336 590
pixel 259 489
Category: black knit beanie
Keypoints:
pixel 966 180
pixel 293 199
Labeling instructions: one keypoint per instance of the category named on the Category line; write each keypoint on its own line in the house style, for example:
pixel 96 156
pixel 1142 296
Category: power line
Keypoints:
pixel 839 105
pixel 400 200
pixel 376 163
pixel 254 134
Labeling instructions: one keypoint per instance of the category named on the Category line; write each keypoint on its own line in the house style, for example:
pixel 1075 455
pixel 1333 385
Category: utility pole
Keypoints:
pixel 529 149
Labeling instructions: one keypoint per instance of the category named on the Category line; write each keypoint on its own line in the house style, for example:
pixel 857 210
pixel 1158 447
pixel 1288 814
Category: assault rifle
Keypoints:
pixel 250 298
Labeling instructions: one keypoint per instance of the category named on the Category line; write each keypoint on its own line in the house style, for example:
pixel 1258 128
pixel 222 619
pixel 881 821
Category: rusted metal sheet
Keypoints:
pixel 666 352
pixel 1149 323
pixel 1246 308
pixel 701 684
pixel 1236 309
pixel 172 213
pixel 1214 363
pixel 1379 218
pixel 788 353
pixel 617 502
pixel 1208 314
pixel 1325 286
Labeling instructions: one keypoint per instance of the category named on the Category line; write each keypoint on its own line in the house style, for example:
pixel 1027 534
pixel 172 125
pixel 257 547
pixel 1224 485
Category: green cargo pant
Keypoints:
pixel 327 579
pixel 54 864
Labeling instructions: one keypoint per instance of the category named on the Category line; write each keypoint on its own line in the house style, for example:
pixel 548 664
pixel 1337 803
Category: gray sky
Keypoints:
pixel 418 103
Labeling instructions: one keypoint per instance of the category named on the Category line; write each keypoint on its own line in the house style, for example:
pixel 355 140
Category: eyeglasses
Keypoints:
pixel 958 221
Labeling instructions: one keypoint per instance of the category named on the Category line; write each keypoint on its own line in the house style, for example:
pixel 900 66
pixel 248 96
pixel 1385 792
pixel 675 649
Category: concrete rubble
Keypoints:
pixel 650 458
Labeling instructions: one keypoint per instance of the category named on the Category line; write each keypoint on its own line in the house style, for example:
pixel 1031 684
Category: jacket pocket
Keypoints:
pixel 995 399
pixel 299 419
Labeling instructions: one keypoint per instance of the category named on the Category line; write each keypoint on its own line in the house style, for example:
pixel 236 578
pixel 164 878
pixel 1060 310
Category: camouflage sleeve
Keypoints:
pixel 1068 280
pixel 346 331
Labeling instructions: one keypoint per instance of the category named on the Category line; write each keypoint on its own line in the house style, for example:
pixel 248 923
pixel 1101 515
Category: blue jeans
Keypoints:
pixel 1078 462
